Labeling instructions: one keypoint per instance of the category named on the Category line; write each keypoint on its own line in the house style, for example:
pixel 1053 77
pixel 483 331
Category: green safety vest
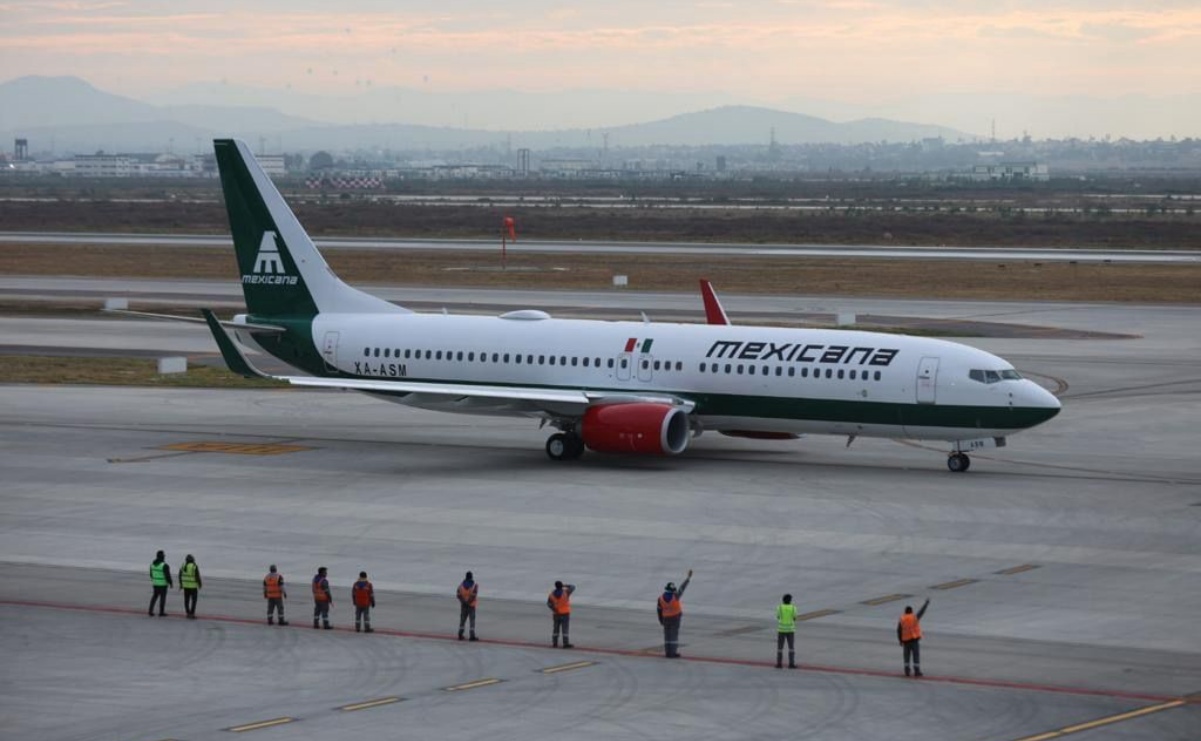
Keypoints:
pixel 187 576
pixel 158 574
pixel 786 618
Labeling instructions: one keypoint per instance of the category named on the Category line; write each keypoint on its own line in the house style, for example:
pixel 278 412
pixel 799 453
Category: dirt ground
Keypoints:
pixel 946 279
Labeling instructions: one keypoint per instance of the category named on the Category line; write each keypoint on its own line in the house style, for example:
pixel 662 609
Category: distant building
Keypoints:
pixel 273 164
pixel 1007 171
pixel 102 165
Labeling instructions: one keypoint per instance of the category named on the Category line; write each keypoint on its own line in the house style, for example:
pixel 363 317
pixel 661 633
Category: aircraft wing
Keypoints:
pixel 527 395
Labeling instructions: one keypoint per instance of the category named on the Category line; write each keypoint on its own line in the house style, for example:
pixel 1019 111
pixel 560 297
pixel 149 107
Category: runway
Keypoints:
pixel 876 251
pixel 1064 570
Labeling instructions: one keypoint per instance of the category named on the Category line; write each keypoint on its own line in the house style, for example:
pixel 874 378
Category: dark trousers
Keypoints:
pixel 189 600
pixel 913 649
pixel 466 612
pixel 790 639
pixel 671 637
pixel 321 610
pixel 362 615
pixel 562 622
pixel 273 604
pixel 160 596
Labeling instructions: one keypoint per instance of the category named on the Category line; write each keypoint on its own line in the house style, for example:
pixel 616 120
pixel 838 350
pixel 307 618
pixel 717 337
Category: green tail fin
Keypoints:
pixel 283 274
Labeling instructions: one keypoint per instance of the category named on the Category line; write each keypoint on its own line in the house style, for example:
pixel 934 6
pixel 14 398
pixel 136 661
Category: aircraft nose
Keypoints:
pixel 1042 400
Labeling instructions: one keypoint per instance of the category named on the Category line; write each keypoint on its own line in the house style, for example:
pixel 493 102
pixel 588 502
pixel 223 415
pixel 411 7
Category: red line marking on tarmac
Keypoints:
pixel 641 653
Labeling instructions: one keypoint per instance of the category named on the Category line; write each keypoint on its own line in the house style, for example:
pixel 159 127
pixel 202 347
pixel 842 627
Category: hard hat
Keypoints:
pixel 671 586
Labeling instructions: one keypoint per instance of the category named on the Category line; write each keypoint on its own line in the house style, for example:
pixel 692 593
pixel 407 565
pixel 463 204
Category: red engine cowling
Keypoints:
pixel 635 427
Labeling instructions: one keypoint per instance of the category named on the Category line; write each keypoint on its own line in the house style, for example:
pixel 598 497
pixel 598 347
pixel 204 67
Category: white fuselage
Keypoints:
pixel 746 379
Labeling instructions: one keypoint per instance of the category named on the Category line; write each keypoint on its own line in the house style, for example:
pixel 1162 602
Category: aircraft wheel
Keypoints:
pixel 556 446
pixel 958 462
pixel 574 446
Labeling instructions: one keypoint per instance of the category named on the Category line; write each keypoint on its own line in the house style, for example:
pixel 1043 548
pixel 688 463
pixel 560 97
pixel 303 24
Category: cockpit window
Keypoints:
pixel 992 376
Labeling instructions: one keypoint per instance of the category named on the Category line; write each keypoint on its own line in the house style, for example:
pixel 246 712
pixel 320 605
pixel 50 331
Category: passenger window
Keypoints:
pixel 377 352
pixel 517 358
pixel 702 367
pixel 740 370
pixel 766 370
pixel 804 372
pixel 596 362
pixel 624 363
pixel 779 371
pixel 645 363
pixel 459 355
pixel 563 360
pixel 852 375
pixel 656 365
pixel 366 352
pixel 610 363
pixel 408 353
pixel 877 375
pixel 429 354
pixel 506 357
pixel 585 362
pixel 829 373
pixel 387 352
pixel 470 357
pixel 529 359
pixel 541 360
pixel 438 355
pixel 840 374
pixel 791 372
pixel 727 368
pixel 574 362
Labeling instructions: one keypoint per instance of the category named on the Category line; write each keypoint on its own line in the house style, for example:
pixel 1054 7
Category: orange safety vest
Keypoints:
pixel 911 630
pixel 561 605
pixel 320 585
pixel 362 593
pixel 273 585
pixel 468 596
pixel 671 609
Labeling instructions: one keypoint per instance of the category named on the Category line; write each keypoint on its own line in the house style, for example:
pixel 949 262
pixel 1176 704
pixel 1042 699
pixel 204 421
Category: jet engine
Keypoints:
pixel 636 427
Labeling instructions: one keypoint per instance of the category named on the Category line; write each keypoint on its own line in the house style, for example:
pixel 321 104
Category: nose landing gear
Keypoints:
pixel 958 462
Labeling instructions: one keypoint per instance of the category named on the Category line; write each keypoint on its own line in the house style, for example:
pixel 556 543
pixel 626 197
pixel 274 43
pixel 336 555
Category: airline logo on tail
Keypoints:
pixel 268 266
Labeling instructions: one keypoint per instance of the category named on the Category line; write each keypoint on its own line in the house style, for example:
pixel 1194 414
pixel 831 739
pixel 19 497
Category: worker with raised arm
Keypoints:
pixel 909 635
pixel 671 611
pixel 559 603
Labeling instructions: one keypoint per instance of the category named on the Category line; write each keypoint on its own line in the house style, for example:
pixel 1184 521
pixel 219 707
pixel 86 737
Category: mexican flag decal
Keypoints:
pixel 633 345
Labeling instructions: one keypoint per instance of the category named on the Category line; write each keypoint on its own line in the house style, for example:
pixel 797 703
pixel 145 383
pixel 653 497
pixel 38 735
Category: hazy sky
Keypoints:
pixel 848 50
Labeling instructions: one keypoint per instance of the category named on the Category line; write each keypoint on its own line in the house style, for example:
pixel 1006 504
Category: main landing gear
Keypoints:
pixel 958 462
pixel 564 446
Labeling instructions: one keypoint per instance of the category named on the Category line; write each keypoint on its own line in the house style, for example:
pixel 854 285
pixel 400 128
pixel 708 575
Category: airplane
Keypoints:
pixel 640 388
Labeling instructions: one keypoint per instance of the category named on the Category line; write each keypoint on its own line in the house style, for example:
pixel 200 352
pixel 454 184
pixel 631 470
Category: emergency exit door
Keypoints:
pixel 329 351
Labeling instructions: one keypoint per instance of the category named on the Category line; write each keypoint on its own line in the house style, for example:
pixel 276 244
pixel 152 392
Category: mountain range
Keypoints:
pixel 67 114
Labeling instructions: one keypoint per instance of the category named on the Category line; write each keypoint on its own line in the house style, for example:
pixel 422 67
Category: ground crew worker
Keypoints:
pixel 189 582
pixel 160 580
pixel 322 598
pixel 786 631
pixel 275 594
pixel 671 611
pixel 363 596
pixel 559 602
pixel 909 635
pixel 468 594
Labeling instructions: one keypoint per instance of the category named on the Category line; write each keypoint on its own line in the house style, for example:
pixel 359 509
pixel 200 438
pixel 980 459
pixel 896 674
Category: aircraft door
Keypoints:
pixel 645 367
pixel 623 366
pixel 329 351
pixel 927 380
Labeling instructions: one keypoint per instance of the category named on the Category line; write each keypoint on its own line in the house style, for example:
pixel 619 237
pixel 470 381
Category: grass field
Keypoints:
pixel 938 279
pixel 118 372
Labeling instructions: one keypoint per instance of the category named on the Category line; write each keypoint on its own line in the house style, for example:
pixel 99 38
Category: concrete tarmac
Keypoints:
pixel 1064 570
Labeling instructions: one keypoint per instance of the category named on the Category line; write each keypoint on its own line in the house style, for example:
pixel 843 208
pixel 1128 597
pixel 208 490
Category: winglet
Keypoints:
pixel 714 313
pixel 233 357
